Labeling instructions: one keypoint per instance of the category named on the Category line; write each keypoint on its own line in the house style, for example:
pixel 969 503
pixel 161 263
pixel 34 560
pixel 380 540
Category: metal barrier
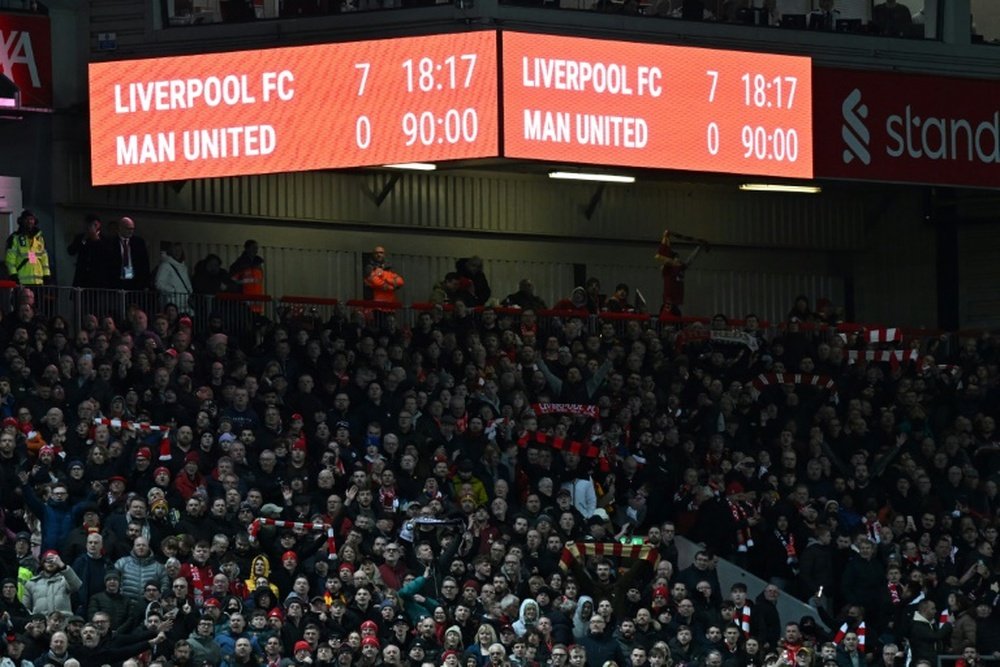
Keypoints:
pixel 953 660
pixel 244 314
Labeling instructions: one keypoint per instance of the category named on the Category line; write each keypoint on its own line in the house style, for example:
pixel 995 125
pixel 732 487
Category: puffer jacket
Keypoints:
pixel 45 593
pixel 137 571
pixel 204 649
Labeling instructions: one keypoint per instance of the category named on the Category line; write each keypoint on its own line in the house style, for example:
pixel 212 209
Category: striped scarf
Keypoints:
pixel 861 629
pixel 616 549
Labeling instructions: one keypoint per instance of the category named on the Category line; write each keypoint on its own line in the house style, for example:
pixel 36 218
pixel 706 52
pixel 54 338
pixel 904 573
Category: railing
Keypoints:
pixel 242 314
pixel 953 660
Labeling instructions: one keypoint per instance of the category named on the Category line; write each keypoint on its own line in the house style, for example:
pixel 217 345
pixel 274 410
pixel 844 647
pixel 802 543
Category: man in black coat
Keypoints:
pixel 928 637
pixel 91 252
pixel 128 258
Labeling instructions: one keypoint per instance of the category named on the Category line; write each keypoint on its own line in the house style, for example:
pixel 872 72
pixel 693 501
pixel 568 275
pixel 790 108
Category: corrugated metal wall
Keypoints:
pixel 979 275
pixel 313 228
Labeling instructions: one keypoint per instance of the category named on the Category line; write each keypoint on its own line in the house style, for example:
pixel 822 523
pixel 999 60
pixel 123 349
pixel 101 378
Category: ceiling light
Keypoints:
pixel 780 187
pixel 412 166
pixel 587 176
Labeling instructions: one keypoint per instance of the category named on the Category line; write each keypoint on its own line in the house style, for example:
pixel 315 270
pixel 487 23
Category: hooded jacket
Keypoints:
pixel 173 282
pixel 580 624
pixel 251 580
pixel 522 625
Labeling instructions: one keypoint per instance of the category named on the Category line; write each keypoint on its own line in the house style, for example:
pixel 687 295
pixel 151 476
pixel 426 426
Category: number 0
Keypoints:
pixel 363 132
pixel 713 138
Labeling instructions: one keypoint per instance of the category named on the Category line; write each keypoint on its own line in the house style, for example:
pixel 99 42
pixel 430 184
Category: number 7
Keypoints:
pixel 365 67
pixel 715 82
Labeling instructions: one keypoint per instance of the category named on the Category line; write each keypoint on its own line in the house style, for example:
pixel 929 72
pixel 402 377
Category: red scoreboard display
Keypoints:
pixel 412 99
pixel 571 99
pixel 437 98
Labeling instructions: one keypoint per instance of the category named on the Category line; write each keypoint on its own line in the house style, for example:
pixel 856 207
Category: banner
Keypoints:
pixel 26 56
pixel 883 126
pixel 565 409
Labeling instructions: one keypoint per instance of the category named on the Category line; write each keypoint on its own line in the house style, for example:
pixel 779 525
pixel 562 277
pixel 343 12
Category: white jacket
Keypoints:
pixel 173 282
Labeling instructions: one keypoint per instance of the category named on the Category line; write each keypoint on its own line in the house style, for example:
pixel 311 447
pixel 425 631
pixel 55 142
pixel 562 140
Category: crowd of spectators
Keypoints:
pixel 501 488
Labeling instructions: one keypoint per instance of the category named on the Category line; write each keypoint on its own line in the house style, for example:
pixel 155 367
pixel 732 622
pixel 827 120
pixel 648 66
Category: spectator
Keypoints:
pixel 209 278
pixel 891 18
pixel 90 250
pixel 129 258
pixel 474 281
pixel 91 567
pixel 928 637
pixel 51 588
pixel 451 289
pixel 56 514
pixel 172 279
pixel 524 297
pixel 248 272
pixel 139 568
pixel 122 611
pixel 381 282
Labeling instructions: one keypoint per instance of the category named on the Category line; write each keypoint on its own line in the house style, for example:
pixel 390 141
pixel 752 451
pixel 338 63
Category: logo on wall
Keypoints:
pixel 26 56
pixel 854 131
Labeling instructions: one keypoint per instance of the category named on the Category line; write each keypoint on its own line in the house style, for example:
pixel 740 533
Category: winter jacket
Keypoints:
pixel 863 581
pixel 137 571
pixel 602 648
pixel 56 517
pixel 204 649
pixel 927 639
pixel 415 610
pixel 173 282
pixel 522 625
pixel 91 572
pixel 46 593
pixel 120 608
pixel 580 624
pixel 816 568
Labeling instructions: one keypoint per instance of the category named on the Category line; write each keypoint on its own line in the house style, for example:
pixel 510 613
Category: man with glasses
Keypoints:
pixel 497 655
pixel 204 648
pixel 394 568
pixel 559 657
pixel 56 514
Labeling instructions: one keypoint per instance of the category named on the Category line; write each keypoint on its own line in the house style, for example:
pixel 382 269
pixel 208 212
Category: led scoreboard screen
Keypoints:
pixel 436 98
pixel 295 109
pixel 572 99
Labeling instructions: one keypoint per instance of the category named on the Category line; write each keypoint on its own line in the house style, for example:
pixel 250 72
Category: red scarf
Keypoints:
pixel 839 637
pixel 745 620
pixel 894 594
pixel 788 543
pixel 744 538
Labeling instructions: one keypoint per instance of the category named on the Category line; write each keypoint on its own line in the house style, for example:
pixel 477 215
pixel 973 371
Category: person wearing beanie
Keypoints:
pixel 10 603
pixel 121 609
pixel 189 479
pixel 301 654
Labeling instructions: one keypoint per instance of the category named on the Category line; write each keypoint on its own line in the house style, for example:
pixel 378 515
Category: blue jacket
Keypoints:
pixel 57 517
